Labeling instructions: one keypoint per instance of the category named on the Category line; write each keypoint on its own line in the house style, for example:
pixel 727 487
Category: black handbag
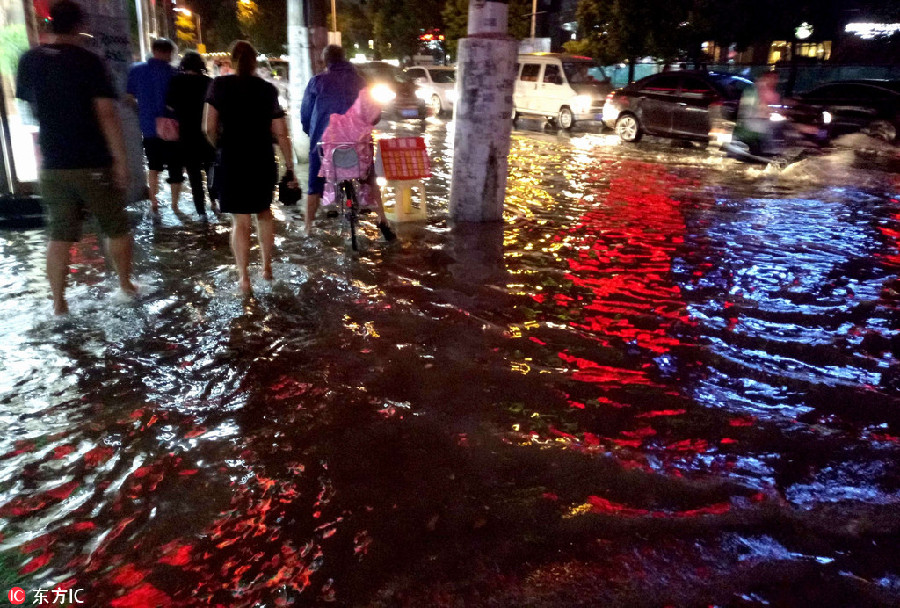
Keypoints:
pixel 288 195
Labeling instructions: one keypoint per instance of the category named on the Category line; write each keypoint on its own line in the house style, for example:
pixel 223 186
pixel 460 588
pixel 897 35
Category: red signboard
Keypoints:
pixel 404 158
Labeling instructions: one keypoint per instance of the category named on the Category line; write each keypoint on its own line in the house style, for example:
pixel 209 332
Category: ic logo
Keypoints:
pixel 16 595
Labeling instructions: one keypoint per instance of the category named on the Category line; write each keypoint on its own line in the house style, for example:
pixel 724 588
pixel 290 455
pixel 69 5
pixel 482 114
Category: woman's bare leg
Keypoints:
pixel 265 226
pixel 240 245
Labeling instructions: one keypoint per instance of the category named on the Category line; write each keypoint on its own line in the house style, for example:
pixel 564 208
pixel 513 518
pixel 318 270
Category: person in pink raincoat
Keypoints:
pixel 355 127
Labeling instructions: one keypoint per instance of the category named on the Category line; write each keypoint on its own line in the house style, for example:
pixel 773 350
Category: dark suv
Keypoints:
pixel 870 106
pixel 393 90
pixel 673 104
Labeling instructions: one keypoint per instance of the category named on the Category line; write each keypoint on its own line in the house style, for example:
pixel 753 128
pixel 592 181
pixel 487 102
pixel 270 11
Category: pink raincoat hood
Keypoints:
pixel 356 124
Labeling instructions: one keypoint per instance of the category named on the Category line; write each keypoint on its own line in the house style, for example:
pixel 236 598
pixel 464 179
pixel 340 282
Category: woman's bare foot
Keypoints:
pixel 60 308
pixel 267 273
pixel 129 288
pixel 244 285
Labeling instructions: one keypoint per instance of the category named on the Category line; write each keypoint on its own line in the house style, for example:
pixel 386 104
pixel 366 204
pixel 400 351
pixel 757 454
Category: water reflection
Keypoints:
pixel 664 379
pixel 477 250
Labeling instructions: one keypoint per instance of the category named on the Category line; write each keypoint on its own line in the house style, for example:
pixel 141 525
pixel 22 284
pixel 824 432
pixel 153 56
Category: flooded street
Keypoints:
pixel 668 379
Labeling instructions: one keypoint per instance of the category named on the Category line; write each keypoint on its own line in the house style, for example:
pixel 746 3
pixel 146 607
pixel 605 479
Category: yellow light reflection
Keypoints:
pixel 578 510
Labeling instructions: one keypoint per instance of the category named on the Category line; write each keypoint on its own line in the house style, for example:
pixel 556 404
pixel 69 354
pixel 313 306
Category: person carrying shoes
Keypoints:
pixel 241 116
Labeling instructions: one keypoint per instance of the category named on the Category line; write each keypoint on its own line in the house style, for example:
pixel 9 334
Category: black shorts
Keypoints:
pixel 163 154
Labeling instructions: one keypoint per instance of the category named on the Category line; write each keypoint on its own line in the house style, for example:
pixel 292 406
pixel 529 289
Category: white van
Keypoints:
pixel 559 87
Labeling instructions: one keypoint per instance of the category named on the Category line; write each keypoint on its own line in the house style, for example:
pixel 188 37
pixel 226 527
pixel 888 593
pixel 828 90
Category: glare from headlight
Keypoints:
pixel 382 94
pixel 581 104
pixel 422 94
pixel 451 95
pixel 776 117
pixel 826 118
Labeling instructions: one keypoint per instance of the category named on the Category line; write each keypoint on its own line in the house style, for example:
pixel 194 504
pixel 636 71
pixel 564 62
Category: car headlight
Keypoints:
pixel 776 117
pixel 422 94
pixel 382 94
pixel 826 118
pixel 582 104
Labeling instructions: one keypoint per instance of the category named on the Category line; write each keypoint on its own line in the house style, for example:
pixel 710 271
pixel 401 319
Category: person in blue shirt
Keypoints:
pixel 148 85
pixel 331 92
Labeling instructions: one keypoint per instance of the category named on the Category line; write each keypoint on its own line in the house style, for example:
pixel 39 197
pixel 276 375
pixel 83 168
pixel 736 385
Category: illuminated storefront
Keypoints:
pixel 781 50
pixel 18 31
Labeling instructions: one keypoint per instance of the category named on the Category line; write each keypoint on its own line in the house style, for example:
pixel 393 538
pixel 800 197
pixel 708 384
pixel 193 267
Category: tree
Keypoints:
pixel 263 23
pixel 397 24
pixel 615 30
pixel 395 28
pixel 355 25
pixel 456 20
pixel 219 22
pixel 13 42
pixel 626 30
pixel 185 32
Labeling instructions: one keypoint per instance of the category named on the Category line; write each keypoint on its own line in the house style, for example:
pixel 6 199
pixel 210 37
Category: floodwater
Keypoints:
pixel 666 379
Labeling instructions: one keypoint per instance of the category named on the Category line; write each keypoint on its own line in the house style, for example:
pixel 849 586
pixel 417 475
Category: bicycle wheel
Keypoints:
pixel 351 212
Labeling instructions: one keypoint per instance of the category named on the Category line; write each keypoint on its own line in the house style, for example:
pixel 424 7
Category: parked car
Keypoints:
pixel 681 105
pixel 437 86
pixel 393 89
pixel 560 87
pixel 850 106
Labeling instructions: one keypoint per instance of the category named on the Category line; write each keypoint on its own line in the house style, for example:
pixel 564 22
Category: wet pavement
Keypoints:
pixel 667 379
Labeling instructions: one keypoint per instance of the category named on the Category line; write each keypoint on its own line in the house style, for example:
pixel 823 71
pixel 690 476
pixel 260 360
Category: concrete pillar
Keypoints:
pixel 301 72
pixel 486 62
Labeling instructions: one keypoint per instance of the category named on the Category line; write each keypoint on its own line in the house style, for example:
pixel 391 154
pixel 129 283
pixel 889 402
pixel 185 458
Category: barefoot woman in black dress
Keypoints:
pixel 241 116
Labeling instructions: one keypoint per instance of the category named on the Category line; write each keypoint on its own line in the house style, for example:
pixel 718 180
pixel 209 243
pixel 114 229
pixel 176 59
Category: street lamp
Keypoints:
pixel 334 37
pixel 187 13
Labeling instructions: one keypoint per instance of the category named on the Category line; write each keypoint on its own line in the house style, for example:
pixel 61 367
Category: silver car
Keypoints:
pixel 436 87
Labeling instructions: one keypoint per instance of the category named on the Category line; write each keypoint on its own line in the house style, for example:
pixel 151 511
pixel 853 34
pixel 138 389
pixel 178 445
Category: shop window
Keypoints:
pixel 22 128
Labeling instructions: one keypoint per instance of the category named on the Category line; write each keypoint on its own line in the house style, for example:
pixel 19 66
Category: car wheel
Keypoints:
pixel 565 119
pixel 436 109
pixel 628 128
pixel 883 130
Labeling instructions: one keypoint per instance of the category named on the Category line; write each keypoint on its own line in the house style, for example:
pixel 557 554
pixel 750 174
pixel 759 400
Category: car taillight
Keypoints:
pixel 610 97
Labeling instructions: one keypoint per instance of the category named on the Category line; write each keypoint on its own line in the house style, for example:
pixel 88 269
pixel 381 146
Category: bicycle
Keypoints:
pixel 346 173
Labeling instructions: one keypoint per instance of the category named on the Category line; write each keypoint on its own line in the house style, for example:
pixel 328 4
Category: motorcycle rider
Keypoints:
pixel 755 126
